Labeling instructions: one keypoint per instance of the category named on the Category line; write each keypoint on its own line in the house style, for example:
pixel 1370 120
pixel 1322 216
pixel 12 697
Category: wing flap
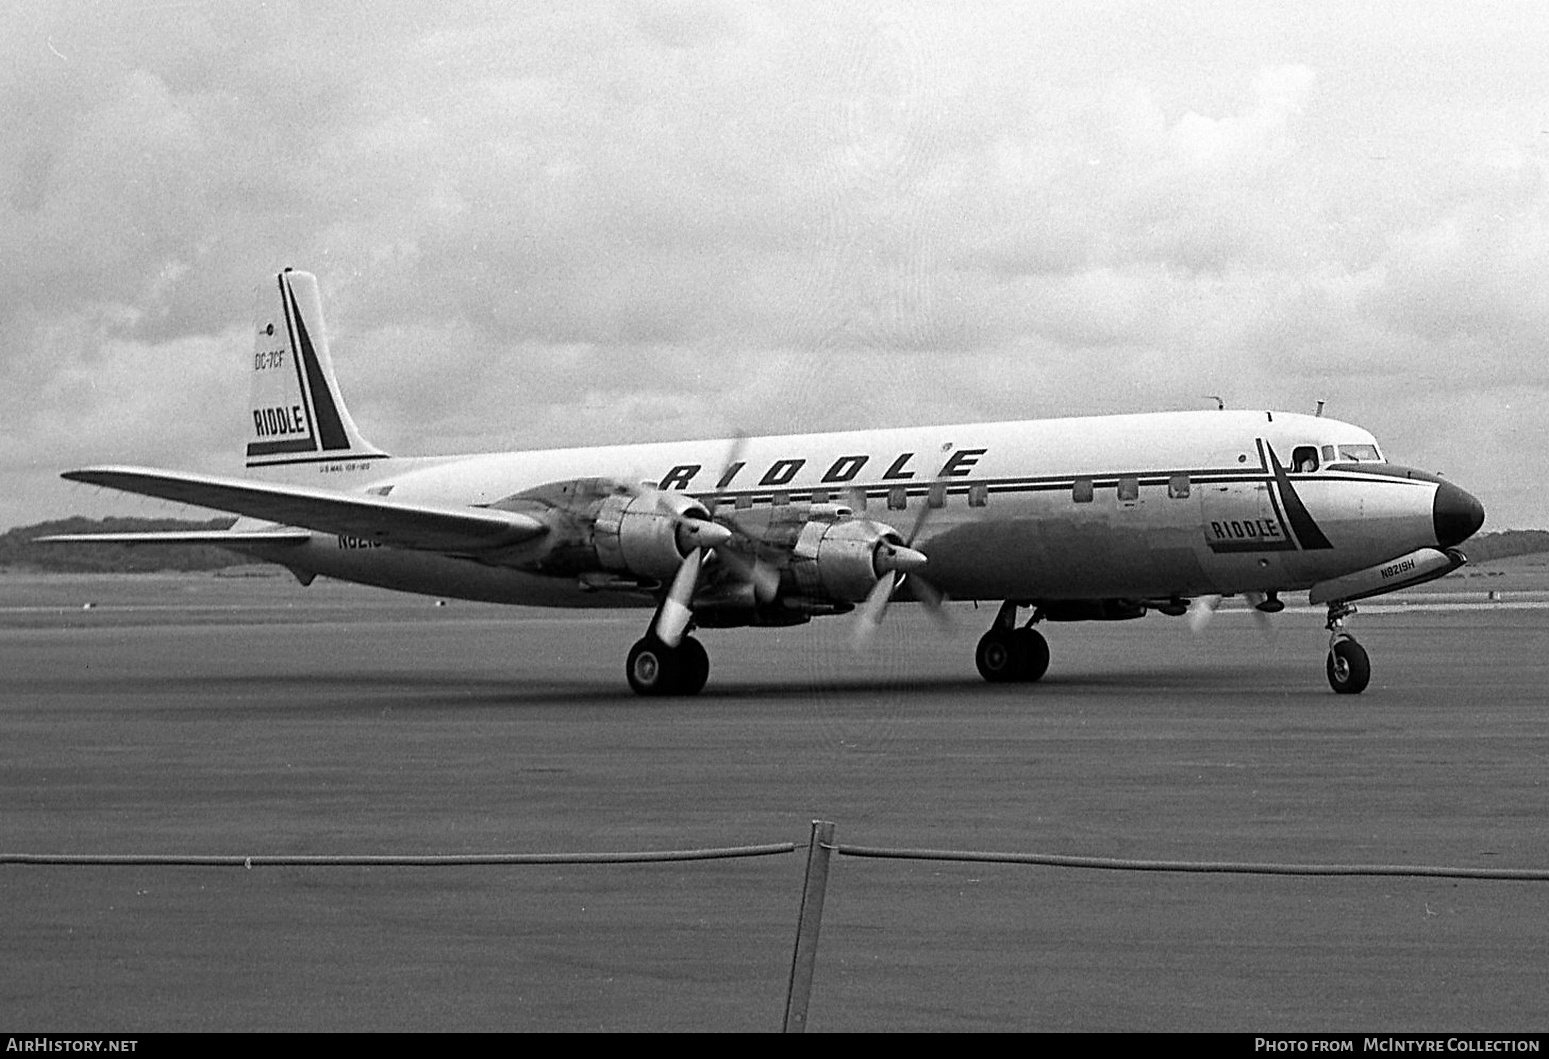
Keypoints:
pixel 404 525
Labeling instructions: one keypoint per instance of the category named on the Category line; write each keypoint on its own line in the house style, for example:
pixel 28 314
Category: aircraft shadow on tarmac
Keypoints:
pixel 300 693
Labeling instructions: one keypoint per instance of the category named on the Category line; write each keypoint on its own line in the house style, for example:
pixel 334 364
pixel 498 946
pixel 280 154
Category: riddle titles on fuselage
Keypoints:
pixel 843 470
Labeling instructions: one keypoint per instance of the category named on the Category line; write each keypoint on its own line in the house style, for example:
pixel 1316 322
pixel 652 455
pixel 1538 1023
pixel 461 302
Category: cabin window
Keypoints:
pixel 978 495
pixel 1081 491
pixel 780 499
pixel 820 496
pixel 1328 454
pixel 856 498
pixel 1304 459
pixel 1178 487
pixel 1129 489
pixel 897 498
pixel 937 496
pixel 743 502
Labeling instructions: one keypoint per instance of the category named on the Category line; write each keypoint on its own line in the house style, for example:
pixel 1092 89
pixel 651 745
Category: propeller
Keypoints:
pixel 1262 609
pixel 765 578
pixel 1203 609
pixel 894 564
pixel 696 537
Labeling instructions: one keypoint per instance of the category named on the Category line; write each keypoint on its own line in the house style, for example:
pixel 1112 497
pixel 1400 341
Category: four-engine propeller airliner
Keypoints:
pixel 1096 518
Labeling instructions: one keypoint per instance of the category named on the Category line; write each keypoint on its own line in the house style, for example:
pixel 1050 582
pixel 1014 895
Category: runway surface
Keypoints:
pixel 251 716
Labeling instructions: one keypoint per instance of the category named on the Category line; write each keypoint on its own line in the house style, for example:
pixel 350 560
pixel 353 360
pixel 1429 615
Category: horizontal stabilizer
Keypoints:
pixel 374 518
pixel 227 537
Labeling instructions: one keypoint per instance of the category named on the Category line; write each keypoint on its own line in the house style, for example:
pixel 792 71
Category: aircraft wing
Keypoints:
pixel 404 525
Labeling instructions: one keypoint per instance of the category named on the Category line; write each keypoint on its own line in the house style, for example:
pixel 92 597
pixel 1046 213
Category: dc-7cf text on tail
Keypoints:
pixel 1097 518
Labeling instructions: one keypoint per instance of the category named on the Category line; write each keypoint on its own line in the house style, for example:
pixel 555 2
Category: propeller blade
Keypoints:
pixel 1256 600
pixel 729 465
pixel 672 621
pixel 1201 610
pixel 919 520
pixel 932 599
pixel 873 610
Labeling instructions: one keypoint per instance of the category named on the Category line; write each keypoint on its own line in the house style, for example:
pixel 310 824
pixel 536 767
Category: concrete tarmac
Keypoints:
pixel 251 716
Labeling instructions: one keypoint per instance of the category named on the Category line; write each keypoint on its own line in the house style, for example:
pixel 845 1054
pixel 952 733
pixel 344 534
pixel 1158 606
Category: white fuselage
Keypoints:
pixel 1159 505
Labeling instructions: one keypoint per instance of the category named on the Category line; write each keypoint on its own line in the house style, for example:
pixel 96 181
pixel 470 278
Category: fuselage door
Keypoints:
pixel 1241 516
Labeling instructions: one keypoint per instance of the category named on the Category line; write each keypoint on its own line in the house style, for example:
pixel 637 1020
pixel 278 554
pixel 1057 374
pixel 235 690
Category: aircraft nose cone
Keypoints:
pixel 1456 514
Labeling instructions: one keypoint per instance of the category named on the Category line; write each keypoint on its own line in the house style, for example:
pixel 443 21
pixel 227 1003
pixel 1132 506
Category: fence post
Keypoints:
pixel 808 922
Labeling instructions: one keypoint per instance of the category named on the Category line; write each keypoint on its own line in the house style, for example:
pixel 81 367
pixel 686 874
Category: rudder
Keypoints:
pixel 296 414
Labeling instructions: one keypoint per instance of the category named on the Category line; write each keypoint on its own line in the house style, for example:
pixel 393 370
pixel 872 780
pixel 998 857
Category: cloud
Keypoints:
pixel 608 221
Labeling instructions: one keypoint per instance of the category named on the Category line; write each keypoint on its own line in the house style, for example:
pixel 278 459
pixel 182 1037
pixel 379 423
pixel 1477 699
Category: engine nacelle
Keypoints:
pixel 644 534
pixel 841 560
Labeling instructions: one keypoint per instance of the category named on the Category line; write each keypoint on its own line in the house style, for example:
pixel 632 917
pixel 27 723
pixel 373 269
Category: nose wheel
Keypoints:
pixel 1349 669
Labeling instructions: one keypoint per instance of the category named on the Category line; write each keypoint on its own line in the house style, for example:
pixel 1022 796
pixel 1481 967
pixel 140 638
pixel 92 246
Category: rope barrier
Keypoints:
pixel 1052 860
pixel 390 860
pixel 1048 860
pixel 820 847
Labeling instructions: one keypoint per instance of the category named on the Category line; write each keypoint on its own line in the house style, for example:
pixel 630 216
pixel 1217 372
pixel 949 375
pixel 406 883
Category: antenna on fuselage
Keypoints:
pixel 1319 412
pixel 1220 402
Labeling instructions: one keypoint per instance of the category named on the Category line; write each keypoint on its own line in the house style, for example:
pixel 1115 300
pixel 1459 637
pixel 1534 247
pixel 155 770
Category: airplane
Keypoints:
pixel 1099 518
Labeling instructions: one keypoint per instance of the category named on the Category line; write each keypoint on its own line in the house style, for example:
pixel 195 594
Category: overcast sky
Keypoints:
pixel 558 224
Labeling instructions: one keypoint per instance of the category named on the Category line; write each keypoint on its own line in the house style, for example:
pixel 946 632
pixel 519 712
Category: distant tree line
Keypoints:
pixel 1489 546
pixel 19 551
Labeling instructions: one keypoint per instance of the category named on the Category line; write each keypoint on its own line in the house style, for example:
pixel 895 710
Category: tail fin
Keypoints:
pixel 296 413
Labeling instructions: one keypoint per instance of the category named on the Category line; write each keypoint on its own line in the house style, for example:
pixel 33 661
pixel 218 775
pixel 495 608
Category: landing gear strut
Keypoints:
pixel 654 668
pixel 1349 669
pixel 1007 654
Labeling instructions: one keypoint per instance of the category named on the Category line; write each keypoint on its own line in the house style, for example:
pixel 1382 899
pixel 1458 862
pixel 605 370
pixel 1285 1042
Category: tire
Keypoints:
pixel 693 666
pixel 1349 670
pixel 1000 656
pixel 653 668
pixel 1033 651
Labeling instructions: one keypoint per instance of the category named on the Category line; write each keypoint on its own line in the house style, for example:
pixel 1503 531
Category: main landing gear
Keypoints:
pixel 656 669
pixel 1349 670
pixel 1007 654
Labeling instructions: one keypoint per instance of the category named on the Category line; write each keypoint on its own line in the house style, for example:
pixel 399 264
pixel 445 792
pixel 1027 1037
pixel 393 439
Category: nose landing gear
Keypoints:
pixel 1349 669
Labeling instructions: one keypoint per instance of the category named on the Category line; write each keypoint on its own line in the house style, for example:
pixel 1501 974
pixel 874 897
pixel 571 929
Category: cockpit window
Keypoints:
pixel 1304 459
pixel 1359 453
